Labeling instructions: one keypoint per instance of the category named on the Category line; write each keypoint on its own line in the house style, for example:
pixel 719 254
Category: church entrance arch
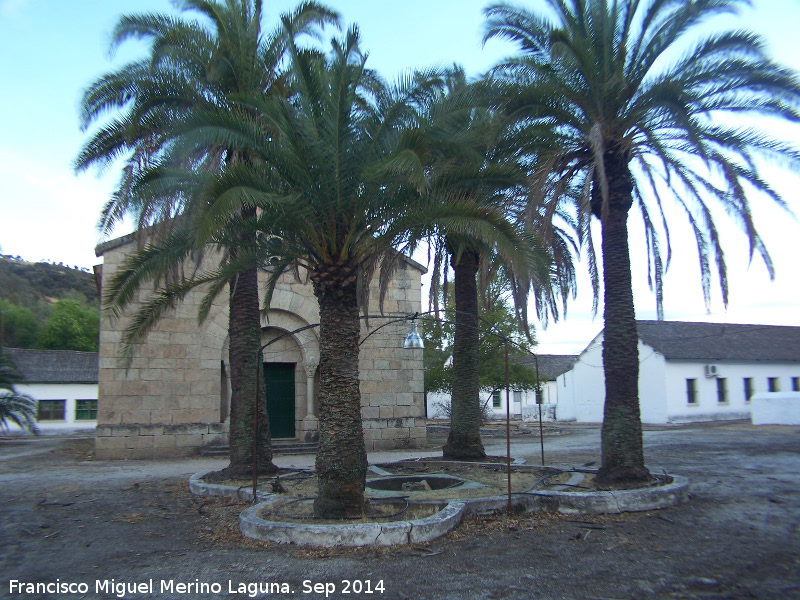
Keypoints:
pixel 289 363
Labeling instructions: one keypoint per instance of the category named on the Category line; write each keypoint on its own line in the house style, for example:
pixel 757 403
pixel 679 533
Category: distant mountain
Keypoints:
pixel 26 284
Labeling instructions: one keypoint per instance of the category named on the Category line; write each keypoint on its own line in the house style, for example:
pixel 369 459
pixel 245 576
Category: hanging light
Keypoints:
pixel 413 339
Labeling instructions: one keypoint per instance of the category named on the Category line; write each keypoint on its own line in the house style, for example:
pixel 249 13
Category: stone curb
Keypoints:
pixel 586 503
pixel 201 488
pixel 611 502
pixel 515 462
pixel 355 534
pixel 435 526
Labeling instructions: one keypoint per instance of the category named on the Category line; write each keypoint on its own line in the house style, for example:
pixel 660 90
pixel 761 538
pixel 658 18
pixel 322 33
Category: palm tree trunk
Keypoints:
pixel 342 457
pixel 621 437
pixel 464 441
pixel 244 331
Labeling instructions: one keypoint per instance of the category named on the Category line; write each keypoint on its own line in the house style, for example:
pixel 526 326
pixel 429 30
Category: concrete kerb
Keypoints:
pixel 416 531
pixel 430 528
pixel 610 502
pixel 202 488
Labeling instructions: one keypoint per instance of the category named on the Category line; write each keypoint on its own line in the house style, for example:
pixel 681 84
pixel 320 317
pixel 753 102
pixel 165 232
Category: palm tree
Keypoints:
pixel 339 185
pixel 477 164
pixel 15 407
pixel 625 103
pixel 192 66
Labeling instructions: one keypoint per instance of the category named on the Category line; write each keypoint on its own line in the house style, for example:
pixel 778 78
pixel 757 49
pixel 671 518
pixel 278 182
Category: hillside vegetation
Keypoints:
pixel 47 305
pixel 24 283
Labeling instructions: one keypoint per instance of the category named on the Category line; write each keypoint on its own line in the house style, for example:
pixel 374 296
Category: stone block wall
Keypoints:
pixel 170 399
pixel 156 441
pixel 392 377
pixel 166 399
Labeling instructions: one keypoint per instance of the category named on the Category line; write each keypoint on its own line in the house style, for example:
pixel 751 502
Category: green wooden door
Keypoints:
pixel 279 383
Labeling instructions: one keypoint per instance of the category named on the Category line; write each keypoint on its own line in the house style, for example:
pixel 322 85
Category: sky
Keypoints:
pixel 50 50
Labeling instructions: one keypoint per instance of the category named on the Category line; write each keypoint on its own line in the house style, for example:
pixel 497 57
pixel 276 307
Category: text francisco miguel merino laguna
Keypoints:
pixel 122 589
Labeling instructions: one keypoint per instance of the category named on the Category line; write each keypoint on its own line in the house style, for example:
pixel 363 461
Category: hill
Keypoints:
pixel 47 306
pixel 26 284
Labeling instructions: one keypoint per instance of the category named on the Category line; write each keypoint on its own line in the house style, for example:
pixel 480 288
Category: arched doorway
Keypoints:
pixel 284 383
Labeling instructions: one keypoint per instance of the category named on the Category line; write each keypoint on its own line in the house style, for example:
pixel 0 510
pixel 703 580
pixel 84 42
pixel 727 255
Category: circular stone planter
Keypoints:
pixel 416 531
pixel 610 502
pixel 411 484
pixel 203 488
pixel 589 502
pixel 414 483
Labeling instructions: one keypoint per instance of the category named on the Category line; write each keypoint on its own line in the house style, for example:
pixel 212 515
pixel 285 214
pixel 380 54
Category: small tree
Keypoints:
pixel 496 323
pixel 15 407
pixel 72 326
pixel 19 326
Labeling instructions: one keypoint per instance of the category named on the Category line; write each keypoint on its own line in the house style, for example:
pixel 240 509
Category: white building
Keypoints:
pixel 689 371
pixel 64 385
pixel 523 401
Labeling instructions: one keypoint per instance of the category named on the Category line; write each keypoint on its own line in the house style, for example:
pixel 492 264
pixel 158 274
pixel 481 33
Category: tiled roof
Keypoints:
pixel 721 341
pixel 55 366
pixel 551 365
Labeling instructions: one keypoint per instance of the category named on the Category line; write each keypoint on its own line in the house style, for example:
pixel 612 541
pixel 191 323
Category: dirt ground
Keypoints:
pixel 78 524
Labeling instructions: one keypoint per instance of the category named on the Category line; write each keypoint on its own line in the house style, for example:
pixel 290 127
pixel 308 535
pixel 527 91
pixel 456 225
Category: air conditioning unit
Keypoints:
pixel 711 370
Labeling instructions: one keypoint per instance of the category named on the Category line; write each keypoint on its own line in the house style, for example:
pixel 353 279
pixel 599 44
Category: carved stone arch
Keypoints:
pixel 302 306
pixel 289 322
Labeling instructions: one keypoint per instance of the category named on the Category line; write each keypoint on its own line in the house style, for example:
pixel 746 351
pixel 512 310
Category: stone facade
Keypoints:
pixel 172 399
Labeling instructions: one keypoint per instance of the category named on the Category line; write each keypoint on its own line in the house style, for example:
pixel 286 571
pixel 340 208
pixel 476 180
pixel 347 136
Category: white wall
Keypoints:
pixel 776 408
pixel 528 397
pixel 60 391
pixel 582 388
pixel 708 408
pixel 653 390
pixel 662 387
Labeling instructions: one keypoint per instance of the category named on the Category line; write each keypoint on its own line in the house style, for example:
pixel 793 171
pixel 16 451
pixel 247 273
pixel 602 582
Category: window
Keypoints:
pixel 691 391
pixel 722 390
pixel 86 410
pixel 496 399
pixel 539 396
pixel 748 388
pixel 518 396
pixel 773 384
pixel 796 384
pixel 51 410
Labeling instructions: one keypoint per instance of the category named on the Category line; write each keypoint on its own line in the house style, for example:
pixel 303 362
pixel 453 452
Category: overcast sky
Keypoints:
pixel 52 49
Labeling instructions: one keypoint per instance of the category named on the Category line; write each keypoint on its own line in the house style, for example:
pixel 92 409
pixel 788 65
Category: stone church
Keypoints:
pixel 172 399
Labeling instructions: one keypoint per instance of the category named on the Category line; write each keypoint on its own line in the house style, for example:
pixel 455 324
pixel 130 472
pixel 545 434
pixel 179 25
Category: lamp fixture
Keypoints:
pixel 413 339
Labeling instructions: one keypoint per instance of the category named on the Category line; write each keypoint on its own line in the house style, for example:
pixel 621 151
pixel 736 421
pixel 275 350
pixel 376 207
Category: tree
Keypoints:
pixel 192 67
pixel 18 326
pixel 497 323
pixel 625 104
pixel 15 407
pixel 72 326
pixel 338 185
pixel 473 160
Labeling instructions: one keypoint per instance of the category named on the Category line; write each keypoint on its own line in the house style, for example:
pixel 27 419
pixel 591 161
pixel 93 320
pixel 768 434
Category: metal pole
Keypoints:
pixel 255 429
pixel 539 402
pixel 508 428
